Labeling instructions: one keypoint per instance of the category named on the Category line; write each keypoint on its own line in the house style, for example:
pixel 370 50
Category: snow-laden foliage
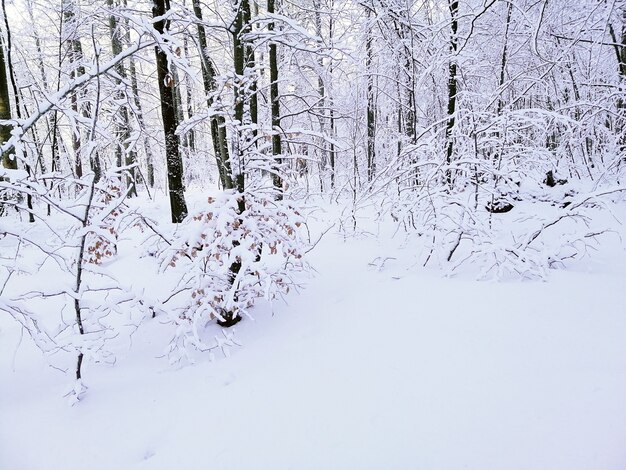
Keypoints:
pixel 508 216
pixel 226 259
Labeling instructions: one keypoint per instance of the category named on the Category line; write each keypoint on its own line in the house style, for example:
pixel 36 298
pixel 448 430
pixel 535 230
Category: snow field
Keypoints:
pixel 362 369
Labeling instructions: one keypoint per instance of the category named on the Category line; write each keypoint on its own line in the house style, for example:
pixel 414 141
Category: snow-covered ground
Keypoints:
pixel 367 367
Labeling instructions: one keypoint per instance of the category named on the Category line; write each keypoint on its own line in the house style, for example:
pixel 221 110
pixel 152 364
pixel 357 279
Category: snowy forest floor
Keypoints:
pixel 370 365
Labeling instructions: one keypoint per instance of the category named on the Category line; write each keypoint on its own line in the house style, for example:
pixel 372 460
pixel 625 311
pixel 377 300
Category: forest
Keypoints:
pixel 175 172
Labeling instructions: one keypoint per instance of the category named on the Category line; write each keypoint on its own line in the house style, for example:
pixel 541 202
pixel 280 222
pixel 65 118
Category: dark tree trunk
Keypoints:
pixel 239 53
pixel 371 106
pixel 178 206
pixel 250 63
pixel 452 88
pixel 8 158
pixel 17 97
pixel 504 59
pixel 218 123
pixel 275 108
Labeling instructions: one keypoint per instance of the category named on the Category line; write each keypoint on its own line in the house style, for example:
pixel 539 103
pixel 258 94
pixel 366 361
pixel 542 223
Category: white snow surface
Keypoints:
pixel 363 368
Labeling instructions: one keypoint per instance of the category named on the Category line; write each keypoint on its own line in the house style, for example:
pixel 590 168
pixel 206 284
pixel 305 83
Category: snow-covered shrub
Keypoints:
pixel 104 217
pixel 514 209
pixel 56 282
pixel 227 259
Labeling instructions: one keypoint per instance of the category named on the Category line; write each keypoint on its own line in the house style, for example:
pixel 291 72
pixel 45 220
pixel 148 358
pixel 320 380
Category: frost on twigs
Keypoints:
pixel 226 261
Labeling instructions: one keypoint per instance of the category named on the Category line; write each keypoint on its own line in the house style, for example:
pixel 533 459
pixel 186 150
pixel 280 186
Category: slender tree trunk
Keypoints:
pixel 138 111
pixel 17 97
pixel 191 137
pixel 241 96
pixel 250 64
pixel 218 123
pixel 619 46
pixel 124 153
pixel 75 55
pixel 56 157
pixel 331 32
pixel 452 88
pixel 504 59
pixel 371 105
pixel 321 89
pixel 44 80
pixel 9 160
pixel 178 206
pixel 275 108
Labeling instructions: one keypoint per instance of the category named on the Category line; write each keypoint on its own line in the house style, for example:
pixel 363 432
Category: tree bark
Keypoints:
pixel 275 108
pixel 178 206
pixel 218 123
pixel 138 107
pixel 371 105
pixel 452 88
pixel 123 132
pixel 9 160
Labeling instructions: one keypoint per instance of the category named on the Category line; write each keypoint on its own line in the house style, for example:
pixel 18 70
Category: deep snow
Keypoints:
pixel 364 368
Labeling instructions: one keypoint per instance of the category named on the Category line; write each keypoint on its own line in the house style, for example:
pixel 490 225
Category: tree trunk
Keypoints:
pixel 250 64
pixel 452 88
pixel 321 89
pixel 218 123
pixel 123 132
pixel 331 31
pixel 178 206
pixel 275 108
pixel 75 55
pixel 371 105
pixel 9 160
pixel 191 137
pixel 138 108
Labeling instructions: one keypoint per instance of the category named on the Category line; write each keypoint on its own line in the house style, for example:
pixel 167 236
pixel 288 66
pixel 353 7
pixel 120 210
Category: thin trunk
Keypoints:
pixel 138 111
pixel 18 107
pixel 242 98
pixel 75 55
pixel 123 150
pixel 9 160
pixel 331 31
pixel 275 107
pixel 79 277
pixel 250 72
pixel 239 59
pixel 218 123
pixel 191 137
pixel 56 156
pixel 504 59
pixel 452 88
pixel 371 105
pixel 321 89
pixel 44 81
